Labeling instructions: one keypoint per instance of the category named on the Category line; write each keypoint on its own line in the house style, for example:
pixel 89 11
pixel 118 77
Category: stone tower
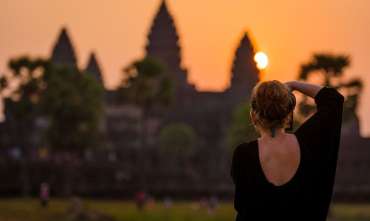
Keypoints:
pixel 163 45
pixel 63 52
pixel 94 69
pixel 245 73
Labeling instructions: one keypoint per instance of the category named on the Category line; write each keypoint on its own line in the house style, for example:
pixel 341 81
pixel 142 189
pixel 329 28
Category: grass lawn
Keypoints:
pixel 30 210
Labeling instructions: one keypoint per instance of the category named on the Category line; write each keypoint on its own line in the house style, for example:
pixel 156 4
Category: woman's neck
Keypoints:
pixel 267 134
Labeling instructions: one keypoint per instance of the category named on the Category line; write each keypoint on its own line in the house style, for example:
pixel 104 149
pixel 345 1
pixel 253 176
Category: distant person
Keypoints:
pixel 203 203
pixel 167 202
pixel 76 207
pixel 150 202
pixel 212 204
pixel 140 199
pixel 44 194
pixel 288 176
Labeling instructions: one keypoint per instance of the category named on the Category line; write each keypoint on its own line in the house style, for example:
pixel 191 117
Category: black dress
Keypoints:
pixel 308 194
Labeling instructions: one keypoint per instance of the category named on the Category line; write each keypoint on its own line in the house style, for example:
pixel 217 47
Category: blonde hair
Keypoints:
pixel 271 102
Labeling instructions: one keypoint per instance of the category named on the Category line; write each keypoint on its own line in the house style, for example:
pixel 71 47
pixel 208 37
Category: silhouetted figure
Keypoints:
pixel 150 202
pixel 44 194
pixel 140 199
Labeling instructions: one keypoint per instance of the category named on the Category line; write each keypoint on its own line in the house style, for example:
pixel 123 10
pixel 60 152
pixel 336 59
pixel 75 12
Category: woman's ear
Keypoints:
pixel 290 121
pixel 253 117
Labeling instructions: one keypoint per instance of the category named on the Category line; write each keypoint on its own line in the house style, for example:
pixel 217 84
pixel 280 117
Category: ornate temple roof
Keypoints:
pixel 63 51
pixel 163 39
pixel 163 45
pixel 94 69
pixel 244 71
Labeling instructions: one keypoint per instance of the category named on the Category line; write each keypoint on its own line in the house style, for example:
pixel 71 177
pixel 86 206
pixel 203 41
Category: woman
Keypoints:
pixel 288 176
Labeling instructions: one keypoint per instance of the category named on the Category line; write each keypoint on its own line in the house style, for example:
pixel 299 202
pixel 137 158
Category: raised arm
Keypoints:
pixel 327 99
pixel 320 135
pixel 322 129
pixel 310 90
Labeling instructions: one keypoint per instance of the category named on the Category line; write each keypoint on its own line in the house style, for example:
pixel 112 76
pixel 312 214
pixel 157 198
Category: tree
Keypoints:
pixel 73 103
pixel 241 129
pixel 69 101
pixel 353 89
pixel 331 68
pixel 146 85
pixel 24 88
pixel 329 65
pixel 177 140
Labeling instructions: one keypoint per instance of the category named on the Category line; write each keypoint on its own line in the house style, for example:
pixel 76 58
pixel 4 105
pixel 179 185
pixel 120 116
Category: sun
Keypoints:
pixel 261 59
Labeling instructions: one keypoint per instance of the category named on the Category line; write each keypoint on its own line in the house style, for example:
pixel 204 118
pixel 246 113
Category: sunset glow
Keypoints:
pixel 290 31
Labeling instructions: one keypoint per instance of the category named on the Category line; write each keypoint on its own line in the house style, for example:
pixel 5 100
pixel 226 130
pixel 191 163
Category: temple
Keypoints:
pixel 208 113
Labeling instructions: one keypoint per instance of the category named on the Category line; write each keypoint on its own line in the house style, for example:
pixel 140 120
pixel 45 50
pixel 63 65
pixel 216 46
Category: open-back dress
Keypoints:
pixel 307 195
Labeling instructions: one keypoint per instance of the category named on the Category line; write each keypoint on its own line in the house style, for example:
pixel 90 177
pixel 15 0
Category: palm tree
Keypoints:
pixel 331 67
pixel 328 65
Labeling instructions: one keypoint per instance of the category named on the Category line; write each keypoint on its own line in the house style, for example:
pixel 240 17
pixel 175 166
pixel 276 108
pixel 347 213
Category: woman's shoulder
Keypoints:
pixel 244 158
pixel 245 147
pixel 328 93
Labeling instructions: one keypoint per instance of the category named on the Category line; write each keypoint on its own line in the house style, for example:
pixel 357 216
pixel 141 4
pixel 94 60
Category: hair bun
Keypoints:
pixel 272 101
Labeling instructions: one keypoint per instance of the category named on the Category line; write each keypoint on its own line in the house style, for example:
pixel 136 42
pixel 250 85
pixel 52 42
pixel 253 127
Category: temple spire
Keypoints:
pixel 163 45
pixel 164 6
pixel 94 69
pixel 63 52
pixel 244 74
pixel 163 39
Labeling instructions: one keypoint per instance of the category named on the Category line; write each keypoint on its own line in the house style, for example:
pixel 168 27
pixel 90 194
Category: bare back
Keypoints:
pixel 279 158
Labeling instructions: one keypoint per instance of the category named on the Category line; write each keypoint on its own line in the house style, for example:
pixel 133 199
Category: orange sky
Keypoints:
pixel 289 31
